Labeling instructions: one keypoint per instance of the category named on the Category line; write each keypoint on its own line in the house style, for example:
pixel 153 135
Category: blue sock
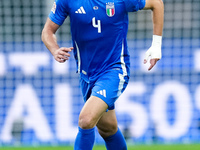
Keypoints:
pixel 116 141
pixel 84 139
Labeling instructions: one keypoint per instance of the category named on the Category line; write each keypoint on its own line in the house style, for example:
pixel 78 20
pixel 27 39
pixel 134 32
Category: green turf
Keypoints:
pixel 134 147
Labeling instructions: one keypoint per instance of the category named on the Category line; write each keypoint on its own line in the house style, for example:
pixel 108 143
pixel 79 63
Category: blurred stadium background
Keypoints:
pixel 40 99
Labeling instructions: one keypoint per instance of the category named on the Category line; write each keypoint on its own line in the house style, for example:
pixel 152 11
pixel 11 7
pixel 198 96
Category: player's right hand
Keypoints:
pixel 62 54
pixel 155 54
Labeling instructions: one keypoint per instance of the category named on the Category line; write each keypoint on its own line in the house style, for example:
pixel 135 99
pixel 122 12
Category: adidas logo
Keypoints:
pixel 80 11
pixel 102 92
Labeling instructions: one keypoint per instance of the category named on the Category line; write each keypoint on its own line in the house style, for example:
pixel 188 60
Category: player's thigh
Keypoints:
pixel 107 124
pixel 92 112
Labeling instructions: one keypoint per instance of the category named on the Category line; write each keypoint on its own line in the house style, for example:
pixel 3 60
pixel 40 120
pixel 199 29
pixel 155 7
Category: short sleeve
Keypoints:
pixel 134 5
pixel 58 12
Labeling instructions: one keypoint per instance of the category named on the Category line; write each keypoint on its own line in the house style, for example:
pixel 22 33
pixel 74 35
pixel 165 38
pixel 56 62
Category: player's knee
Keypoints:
pixel 86 122
pixel 108 130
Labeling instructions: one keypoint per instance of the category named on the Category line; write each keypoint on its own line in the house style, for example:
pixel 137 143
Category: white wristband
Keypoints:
pixel 155 50
pixel 157 40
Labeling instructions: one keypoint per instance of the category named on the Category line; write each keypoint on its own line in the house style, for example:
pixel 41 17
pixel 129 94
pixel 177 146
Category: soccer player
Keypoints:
pixel 99 29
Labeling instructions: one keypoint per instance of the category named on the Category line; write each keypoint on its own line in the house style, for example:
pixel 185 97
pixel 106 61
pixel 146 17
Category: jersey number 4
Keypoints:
pixel 96 24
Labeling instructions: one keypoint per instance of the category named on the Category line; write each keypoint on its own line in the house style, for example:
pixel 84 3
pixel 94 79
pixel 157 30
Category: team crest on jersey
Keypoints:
pixel 95 7
pixel 53 9
pixel 110 9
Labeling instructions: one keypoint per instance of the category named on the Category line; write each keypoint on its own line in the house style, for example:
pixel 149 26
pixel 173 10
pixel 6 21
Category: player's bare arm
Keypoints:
pixel 49 39
pixel 154 51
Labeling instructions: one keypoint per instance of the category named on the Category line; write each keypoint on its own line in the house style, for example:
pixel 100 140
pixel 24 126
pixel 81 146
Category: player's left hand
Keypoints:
pixel 154 52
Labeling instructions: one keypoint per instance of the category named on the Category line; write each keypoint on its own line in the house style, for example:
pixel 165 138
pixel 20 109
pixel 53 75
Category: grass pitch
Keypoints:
pixel 133 147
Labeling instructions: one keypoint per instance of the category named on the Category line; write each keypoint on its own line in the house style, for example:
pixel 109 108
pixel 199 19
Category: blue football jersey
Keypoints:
pixel 99 29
